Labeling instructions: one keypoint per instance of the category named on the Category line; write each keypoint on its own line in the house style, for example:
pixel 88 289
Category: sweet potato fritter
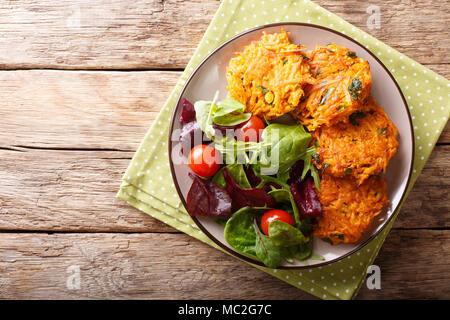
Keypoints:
pixel 344 83
pixel 349 208
pixel 360 148
pixel 269 76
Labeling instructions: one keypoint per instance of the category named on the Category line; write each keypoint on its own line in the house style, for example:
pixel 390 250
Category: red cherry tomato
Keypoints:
pixel 250 130
pixel 204 160
pixel 272 215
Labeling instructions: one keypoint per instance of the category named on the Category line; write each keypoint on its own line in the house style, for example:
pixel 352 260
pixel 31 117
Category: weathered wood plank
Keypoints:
pixel 163 34
pixel 63 191
pixel 175 266
pixel 414 265
pixel 53 190
pixel 72 109
pixel 83 109
pixel 445 135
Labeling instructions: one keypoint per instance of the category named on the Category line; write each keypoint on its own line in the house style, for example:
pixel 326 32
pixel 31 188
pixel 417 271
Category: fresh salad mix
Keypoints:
pixel 254 177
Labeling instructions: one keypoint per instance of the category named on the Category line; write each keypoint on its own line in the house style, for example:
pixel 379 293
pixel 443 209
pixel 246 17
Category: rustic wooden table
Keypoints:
pixel 80 84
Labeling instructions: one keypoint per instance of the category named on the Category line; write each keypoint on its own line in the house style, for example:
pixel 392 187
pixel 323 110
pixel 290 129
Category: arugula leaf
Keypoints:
pixel 265 250
pixel 316 177
pixel 309 166
pixel 355 88
pixel 283 234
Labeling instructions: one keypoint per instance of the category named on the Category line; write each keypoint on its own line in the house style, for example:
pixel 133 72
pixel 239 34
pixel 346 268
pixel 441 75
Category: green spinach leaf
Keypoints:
pixel 288 144
pixel 304 250
pixel 283 234
pixel 237 173
pixel 240 232
pixel 280 195
pixel 265 250
pixel 231 119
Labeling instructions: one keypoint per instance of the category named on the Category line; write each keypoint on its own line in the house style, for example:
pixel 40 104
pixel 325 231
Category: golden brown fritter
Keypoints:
pixel 344 83
pixel 268 77
pixel 360 148
pixel 349 208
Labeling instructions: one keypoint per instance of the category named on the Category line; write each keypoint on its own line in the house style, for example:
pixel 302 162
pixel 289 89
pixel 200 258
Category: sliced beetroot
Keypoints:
pixel 306 198
pixel 207 199
pixel 295 172
pixel 246 197
pixel 255 180
pixel 187 112
pixel 189 129
pixel 187 136
pixel 252 177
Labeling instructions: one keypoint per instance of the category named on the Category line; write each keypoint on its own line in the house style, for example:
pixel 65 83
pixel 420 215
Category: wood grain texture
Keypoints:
pixel 176 266
pixel 83 109
pixel 66 137
pixel 121 34
pixel 54 190
pixel 68 109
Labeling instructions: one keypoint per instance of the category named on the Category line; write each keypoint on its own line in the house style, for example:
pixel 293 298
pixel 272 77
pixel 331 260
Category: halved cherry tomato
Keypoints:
pixel 272 215
pixel 250 130
pixel 204 160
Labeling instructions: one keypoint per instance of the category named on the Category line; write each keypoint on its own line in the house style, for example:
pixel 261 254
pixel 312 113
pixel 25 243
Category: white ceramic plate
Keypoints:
pixel 210 77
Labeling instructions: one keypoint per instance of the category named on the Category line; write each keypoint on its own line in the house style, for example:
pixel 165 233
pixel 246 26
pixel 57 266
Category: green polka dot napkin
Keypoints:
pixel 147 183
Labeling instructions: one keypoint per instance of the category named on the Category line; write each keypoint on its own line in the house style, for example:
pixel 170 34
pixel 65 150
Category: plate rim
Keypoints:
pixel 238 254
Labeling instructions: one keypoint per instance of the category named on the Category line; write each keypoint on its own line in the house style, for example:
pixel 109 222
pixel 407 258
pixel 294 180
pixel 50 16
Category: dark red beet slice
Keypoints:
pixel 306 198
pixel 187 134
pixel 207 199
pixel 252 177
pixel 295 172
pixel 189 129
pixel 246 197
pixel 187 112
